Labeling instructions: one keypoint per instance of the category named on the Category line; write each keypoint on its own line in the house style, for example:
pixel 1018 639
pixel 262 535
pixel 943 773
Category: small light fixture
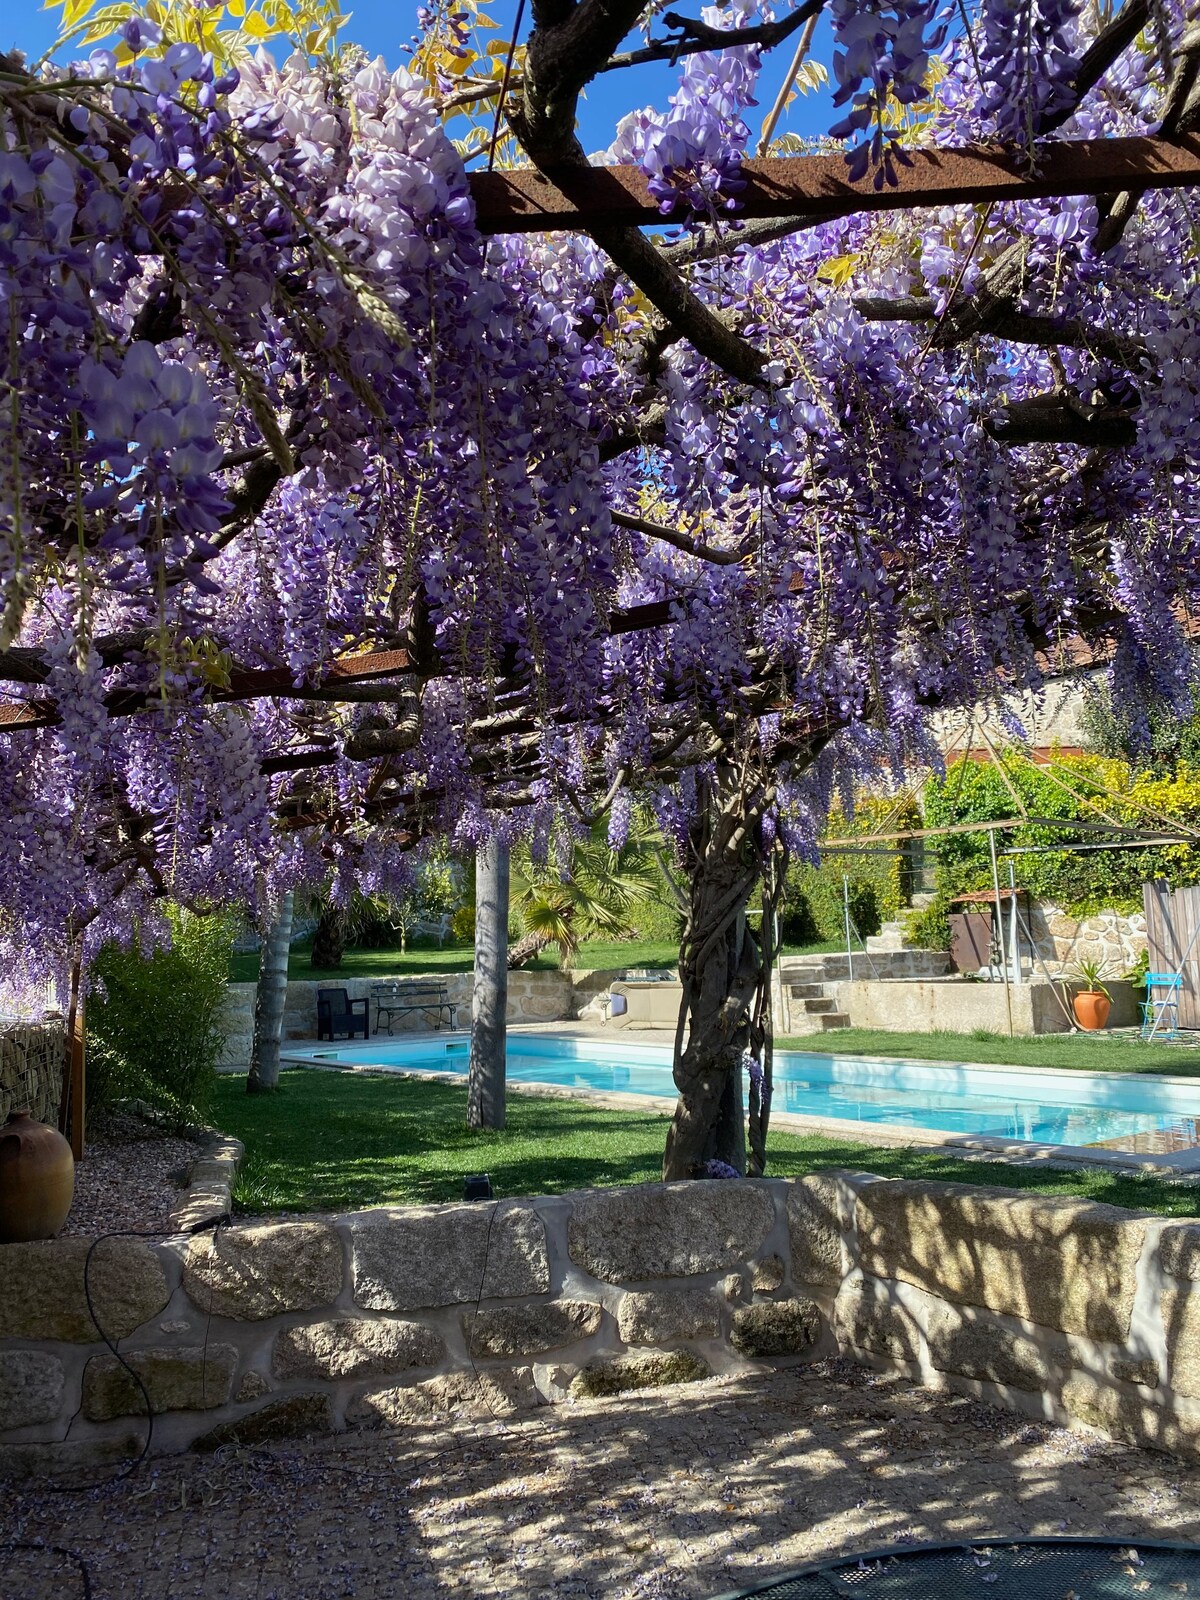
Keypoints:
pixel 478 1186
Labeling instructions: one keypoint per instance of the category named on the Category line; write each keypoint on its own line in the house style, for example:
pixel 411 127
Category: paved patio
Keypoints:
pixel 674 1495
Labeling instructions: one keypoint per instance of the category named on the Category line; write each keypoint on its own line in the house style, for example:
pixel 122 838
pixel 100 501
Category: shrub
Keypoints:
pixel 658 920
pixel 153 1023
pixel 1081 882
pixel 1149 734
pixel 929 929
pixel 813 906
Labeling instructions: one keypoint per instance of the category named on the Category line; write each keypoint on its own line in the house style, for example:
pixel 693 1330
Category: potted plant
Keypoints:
pixel 1093 1003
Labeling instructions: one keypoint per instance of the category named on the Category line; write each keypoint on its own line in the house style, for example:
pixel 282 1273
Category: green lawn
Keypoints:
pixel 327 1142
pixel 1093 1052
pixel 386 963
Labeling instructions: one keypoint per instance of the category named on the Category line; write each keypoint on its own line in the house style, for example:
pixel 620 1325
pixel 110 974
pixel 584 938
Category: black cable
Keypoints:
pixel 130 1467
pixel 57 1550
pixel 487 1240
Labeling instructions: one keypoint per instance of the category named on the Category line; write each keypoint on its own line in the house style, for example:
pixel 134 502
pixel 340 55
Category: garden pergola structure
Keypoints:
pixel 565 51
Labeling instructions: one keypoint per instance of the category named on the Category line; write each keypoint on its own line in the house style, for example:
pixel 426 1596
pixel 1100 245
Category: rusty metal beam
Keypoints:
pixel 816 187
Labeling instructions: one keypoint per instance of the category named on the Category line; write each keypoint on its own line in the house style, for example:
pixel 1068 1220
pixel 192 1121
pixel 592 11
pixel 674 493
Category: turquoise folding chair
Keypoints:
pixel 1160 1009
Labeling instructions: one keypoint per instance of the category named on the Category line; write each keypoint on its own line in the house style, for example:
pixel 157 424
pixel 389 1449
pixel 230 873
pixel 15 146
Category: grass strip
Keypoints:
pixel 328 1142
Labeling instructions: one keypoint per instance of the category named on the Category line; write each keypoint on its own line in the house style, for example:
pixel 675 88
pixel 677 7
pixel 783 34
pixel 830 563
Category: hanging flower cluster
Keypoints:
pixel 693 155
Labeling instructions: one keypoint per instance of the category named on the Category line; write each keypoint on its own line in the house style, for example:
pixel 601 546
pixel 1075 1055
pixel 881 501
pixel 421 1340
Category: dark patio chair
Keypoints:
pixel 338 1014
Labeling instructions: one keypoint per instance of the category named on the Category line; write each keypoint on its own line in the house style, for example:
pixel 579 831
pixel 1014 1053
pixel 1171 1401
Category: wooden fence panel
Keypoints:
pixel 1172 918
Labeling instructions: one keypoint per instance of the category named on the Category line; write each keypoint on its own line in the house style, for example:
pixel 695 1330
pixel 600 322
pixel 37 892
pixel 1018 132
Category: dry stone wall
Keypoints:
pixel 1115 938
pixel 1063 1309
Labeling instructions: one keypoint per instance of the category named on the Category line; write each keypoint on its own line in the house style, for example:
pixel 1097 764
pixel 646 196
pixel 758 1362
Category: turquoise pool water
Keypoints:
pixel 1043 1108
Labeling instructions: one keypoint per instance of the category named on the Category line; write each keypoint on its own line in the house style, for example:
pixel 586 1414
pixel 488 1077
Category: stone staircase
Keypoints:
pixel 806 1006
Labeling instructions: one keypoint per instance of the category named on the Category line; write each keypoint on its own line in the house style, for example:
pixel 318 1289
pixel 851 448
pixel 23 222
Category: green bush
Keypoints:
pixel 1151 735
pixel 813 905
pixel 153 1022
pixel 1080 882
pixel 929 929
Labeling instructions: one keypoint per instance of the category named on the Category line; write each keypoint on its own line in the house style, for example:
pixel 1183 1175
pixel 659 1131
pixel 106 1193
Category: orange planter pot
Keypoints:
pixel 37 1179
pixel 1092 1009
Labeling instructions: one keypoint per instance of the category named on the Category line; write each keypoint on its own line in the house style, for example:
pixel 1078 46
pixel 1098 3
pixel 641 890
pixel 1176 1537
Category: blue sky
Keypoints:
pixel 383 28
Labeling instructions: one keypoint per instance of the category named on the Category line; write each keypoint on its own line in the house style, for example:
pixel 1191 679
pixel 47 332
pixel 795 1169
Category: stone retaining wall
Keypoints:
pixel 1064 1309
pixel 1116 938
pixel 532 997
pixel 959 1004
pixel 32 1057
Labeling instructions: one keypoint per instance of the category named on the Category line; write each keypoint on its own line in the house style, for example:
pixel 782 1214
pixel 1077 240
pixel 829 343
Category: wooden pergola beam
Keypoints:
pixel 817 187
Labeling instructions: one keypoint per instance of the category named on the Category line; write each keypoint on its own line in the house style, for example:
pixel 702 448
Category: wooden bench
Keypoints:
pixel 428 995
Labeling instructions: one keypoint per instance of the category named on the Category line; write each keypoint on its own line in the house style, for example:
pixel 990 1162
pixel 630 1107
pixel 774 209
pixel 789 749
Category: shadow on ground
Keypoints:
pixel 676 1495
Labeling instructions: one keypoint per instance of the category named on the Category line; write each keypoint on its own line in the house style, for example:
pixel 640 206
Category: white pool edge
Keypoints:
pixel 1184 1166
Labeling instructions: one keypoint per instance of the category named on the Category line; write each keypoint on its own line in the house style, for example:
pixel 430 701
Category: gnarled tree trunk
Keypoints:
pixel 725 968
pixel 270 1000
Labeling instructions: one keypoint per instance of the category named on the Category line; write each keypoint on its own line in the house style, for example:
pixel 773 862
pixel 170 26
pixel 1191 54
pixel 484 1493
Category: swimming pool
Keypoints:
pixel 1038 1107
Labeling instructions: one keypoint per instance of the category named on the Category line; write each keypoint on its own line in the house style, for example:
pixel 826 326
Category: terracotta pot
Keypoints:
pixel 37 1179
pixel 1091 1009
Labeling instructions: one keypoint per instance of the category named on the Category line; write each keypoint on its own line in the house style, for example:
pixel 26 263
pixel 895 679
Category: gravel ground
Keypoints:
pixel 130 1177
pixel 676 1495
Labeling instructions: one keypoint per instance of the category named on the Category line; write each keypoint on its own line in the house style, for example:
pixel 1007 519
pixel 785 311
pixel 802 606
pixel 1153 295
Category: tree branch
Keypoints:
pixel 1182 115
pixel 685 311
pixel 1057 419
pixel 680 541
pixel 1003 321
pixel 694 36
pixel 1100 55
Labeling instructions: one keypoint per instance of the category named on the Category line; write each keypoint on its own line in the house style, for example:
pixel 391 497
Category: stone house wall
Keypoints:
pixel 1115 938
pixel 1063 1309
pixel 32 1058
pixel 532 997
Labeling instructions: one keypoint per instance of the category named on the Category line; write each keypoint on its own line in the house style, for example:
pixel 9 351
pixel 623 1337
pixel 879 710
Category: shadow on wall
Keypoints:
pixel 1068 1310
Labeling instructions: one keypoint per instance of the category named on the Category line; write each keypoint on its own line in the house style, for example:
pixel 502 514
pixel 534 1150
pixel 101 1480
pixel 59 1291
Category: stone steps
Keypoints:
pixel 810 1009
pixel 825 1022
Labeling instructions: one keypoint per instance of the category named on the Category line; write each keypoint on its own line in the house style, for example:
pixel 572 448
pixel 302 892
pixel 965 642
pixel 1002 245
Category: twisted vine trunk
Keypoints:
pixel 725 968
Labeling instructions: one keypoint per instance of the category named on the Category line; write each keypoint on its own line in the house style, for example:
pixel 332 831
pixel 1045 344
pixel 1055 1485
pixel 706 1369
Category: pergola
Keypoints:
pixel 560 190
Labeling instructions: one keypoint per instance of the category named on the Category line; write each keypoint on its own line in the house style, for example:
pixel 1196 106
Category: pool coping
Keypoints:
pixel 1182 1167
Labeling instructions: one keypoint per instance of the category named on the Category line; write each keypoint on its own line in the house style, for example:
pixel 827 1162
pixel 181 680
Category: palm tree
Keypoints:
pixel 598 900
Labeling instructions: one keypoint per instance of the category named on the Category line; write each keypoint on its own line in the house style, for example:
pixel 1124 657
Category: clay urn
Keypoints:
pixel 37 1179
pixel 1091 1009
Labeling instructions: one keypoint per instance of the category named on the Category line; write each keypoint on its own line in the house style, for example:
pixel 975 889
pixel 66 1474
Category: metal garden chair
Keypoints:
pixel 1160 1009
